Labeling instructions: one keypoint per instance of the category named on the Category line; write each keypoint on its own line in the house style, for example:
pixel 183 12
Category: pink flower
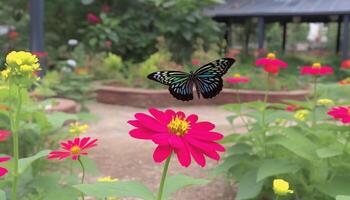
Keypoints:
pixel 345 64
pixel 40 54
pixel 237 78
pixel 271 64
pixel 232 53
pixel 108 44
pixel 4 135
pixel 291 108
pixel 93 19
pixel 316 69
pixel 12 35
pixel 196 62
pixel 341 113
pixel 4 171
pixel 105 8
pixel 174 132
pixel 73 148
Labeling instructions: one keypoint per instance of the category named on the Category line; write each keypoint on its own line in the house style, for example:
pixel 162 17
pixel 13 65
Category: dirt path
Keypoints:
pixel 125 158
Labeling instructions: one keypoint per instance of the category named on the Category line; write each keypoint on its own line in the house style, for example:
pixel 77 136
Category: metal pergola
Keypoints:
pixel 284 12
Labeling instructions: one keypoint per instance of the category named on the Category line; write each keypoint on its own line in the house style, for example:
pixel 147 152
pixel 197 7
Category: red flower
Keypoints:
pixel 271 64
pixel 316 69
pixel 40 54
pixel 93 19
pixel 105 8
pixel 237 78
pixel 4 171
pixel 291 108
pixel 341 113
pixel 174 132
pixel 73 148
pixel 4 135
pixel 345 64
pixel 12 35
pixel 345 81
pixel 196 62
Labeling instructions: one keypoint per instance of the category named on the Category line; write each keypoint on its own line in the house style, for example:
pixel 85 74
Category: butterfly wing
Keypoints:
pixel 208 79
pixel 180 86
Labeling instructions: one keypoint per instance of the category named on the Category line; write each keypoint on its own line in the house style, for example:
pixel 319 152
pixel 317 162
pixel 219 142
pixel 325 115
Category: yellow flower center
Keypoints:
pixel 271 56
pixel 316 65
pixel 75 149
pixel 236 75
pixel 178 126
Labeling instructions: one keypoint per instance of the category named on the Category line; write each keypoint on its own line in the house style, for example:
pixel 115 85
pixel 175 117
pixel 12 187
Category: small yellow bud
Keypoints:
pixel 281 187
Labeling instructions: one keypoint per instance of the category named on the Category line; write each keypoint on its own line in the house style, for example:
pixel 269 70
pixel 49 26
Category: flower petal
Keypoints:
pixel 3 171
pixel 161 153
pixel 140 133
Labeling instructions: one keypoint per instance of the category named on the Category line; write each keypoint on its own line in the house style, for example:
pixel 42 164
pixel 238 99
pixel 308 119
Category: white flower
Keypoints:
pixel 66 69
pixel 72 42
pixel 71 62
pixel 48 107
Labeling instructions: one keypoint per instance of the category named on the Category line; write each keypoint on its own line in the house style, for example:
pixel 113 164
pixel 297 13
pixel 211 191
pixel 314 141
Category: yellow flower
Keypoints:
pixel 237 75
pixel 76 128
pixel 107 179
pixel 325 102
pixel 316 65
pixel 20 63
pixel 301 114
pixel 281 187
pixel 5 73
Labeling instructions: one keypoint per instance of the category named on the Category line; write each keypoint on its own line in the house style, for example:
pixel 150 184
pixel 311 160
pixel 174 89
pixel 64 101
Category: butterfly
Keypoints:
pixel 207 80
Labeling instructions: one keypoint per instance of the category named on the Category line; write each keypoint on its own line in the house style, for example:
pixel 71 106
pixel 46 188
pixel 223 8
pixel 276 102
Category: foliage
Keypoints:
pixel 312 154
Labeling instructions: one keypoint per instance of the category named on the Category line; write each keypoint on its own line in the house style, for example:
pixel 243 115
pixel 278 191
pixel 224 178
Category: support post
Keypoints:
pixel 284 37
pixel 36 40
pixel 337 47
pixel 345 38
pixel 261 30
pixel 228 35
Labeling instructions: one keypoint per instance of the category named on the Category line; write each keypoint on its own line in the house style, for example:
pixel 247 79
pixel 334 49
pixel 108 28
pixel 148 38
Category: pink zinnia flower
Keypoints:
pixel 232 53
pixel 341 113
pixel 291 108
pixel 271 64
pixel 73 148
pixel 196 62
pixel 40 54
pixel 4 171
pixel 93 19
pixel 4 135
pixel 345 64
pixel 316 69
pixel 237 78
pixel 174 132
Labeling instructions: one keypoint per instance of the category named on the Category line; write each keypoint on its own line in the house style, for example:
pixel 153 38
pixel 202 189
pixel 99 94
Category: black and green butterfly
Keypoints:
pixel 207 80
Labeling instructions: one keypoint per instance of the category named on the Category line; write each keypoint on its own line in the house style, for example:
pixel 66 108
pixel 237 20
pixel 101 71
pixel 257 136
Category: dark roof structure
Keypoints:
pixel 285 11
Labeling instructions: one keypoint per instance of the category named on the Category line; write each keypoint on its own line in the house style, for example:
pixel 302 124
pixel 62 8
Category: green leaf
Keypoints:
pixel 342 197
pixel 273 167
pixel 239 148
pixel 24 163
pixel 230 138
pixel 2 195
pixel 87 2
pixel 338 186
pixel 174 183
pixel 248 188
pixel 57 119
pixel 119 189
pixel 232 107
pixel 328 152
pixel 89 164
pixel 297 143
pixel 229 163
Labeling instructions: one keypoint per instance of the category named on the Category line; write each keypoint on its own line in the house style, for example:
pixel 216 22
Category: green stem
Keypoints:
pixel 238 98
pixel 277 197
pixel 15 122
pixel 267 87
pixel 83 177
pixel 162 182
pixel 314 103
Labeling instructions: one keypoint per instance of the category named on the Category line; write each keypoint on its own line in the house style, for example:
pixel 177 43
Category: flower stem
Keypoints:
pixel 277 197
pixel 267 87
pixel 162 182
pixel 314 103
pixel 15 121
pixel 83 177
